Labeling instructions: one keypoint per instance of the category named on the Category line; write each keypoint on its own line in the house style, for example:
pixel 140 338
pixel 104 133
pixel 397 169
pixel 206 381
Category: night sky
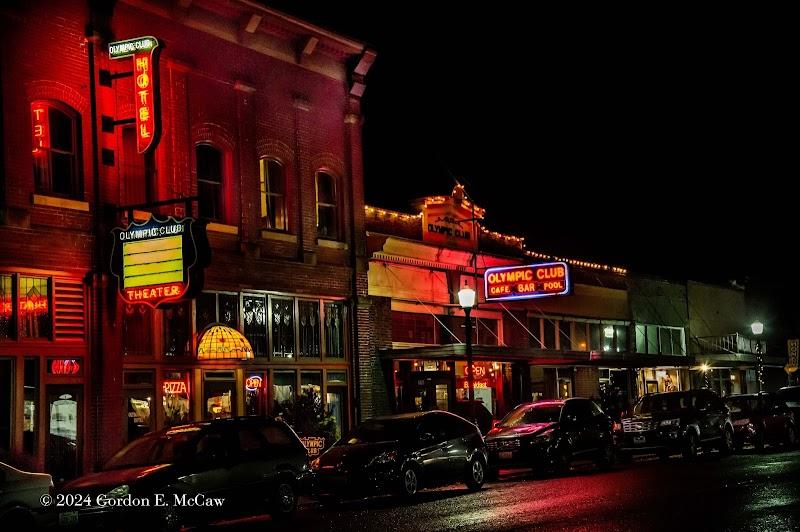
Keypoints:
pixel 655 140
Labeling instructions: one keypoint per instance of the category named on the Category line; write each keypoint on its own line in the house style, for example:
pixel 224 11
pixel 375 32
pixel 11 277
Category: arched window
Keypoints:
pixel 209 181
pixel 327 206
pixel 273 194
pixel 56 149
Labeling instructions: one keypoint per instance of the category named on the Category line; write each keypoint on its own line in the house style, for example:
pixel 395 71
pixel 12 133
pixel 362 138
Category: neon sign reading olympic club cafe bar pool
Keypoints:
pixel 155 260
pixel 525 282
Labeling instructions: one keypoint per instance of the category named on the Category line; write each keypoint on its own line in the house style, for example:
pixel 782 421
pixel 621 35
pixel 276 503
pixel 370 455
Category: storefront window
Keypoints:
pixel 282 327
pixel 219 392
pixel 255 323
pixel 34 307
pixel 579 338
pixel 206 311
pixel 549 333
pixel 176 391
pixel 564 336
pixel 255 387
pixel 596 336
pixel 137 328
pixel 334 329
pixel 335 400
pixel 283 383
pixel 228 312
pixel 311 384
pixel 177 329
pixel 621 337
pixel 139 392
pixel 30 426
pixel 7 308
pixel 308 316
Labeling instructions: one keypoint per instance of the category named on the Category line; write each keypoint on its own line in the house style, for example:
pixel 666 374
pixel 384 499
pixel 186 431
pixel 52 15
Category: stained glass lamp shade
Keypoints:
pixel 220 342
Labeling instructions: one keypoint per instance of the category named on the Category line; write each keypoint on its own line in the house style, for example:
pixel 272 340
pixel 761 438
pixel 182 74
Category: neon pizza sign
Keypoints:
pixel 525 282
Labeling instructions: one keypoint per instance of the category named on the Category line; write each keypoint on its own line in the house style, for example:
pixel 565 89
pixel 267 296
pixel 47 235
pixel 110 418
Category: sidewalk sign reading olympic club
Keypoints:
pixel 160 260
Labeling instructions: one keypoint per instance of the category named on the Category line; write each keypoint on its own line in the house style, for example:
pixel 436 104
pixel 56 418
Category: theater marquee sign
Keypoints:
pixel 159 261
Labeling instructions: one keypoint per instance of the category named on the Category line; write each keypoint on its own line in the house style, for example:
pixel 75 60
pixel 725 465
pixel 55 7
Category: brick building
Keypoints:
pixel 260 122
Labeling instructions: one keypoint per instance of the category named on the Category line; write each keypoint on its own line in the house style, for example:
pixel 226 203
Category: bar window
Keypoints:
pixel 177 329
pixel 34 307
pixel 282 327
pixel 56 149
pixel 273 194
pixel 209 181
pixel 255 393
pixel 139 391
pixel 327 210
pixel 228 310
pixel 283 386
pixel 334 329
pixel 254 313
pixel 219 393
pixel 309 327
pixel 311 385
pixel 8 310
pixel 176 397
pixel 137 327
pixel 30 414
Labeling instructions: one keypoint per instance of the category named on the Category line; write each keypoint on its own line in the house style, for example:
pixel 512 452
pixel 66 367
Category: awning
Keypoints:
pixel 537 357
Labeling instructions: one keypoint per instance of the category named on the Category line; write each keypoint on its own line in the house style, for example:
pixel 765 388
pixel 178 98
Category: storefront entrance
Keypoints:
pixel 430 390
pixel 63 446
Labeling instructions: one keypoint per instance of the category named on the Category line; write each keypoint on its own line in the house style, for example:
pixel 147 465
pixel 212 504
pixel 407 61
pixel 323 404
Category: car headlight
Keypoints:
pixel 670 422
pixel 118 492
pixel 384 458
pixel 315 464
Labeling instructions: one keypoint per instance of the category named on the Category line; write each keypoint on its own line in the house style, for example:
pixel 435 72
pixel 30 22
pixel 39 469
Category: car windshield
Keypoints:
pixel 375 430
pixel 528 414
pixel 158 448
pixel 668 402
pixel 741 404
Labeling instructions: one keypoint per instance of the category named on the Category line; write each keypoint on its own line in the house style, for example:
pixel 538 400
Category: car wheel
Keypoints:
pixel 476 474
pixel 284 500
pixel 409 481
pixel 690 447
pixel 726 446
pixel 791 436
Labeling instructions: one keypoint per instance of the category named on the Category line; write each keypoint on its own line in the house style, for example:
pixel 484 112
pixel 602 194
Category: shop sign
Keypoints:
pixel 450 221
pixel 526 282
pixel 791 362
pixel 64 366
pixel 476 384
pixel 41 136
pixel 142 50
pixel 253 383
pixel 313 444
pixel 159 261
pixel 172 387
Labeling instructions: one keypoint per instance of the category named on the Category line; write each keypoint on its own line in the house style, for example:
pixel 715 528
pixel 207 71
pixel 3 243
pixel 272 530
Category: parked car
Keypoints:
pixel 550 435
pixel 761 419
pixel 255 464
pixel 20 496
pixel 685 422
pixel 402 454
pixel 790 395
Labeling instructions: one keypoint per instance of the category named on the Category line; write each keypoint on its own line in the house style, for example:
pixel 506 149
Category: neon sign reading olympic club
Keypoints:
pixel 525 282
pixel 145 77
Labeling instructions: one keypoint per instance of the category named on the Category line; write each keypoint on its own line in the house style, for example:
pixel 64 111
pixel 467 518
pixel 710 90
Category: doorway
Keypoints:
pixel 63 446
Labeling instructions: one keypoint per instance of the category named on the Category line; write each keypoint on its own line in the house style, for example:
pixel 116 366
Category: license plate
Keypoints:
pixel 638 440
pixel 506 455
pixel 68 518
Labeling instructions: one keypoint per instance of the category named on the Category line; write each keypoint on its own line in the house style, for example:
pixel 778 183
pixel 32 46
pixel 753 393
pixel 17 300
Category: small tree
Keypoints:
pixel 308 416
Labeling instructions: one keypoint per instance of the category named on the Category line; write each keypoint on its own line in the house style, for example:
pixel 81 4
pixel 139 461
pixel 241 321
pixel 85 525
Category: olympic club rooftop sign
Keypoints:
pixel 526 282
pixel 160 260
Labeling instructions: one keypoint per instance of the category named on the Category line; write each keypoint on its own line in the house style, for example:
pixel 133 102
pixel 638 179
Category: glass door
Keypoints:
pixel 63 450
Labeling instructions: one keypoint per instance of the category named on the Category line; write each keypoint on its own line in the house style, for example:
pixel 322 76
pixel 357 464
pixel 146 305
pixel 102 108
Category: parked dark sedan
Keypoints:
pixel 402 454
pixel 684 422
pixel 761 419
pixel 550 434
pixel 223 468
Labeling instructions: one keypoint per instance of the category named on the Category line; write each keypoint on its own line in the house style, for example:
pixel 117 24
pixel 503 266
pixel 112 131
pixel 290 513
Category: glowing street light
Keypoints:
pixel 466 298
pixel 758 328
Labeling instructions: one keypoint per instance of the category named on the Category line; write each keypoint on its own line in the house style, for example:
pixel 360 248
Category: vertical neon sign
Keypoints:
pixel 142 50
pixel 41 136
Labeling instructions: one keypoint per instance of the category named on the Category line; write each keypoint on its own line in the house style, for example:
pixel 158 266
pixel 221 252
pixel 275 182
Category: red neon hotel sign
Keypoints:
pixel 525 282
pixel 142 50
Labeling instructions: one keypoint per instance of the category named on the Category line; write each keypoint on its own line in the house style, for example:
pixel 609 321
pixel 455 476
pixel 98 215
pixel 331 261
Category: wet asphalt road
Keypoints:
pixel 742 492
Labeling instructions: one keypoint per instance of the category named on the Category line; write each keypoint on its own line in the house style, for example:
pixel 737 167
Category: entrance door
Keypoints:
pixel 65 413
pixel 430 390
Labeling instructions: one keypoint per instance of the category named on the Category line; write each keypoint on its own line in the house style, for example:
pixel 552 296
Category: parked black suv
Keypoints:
pixel 401 454
pixel 550 435
pixel 663 423
pixel 255 465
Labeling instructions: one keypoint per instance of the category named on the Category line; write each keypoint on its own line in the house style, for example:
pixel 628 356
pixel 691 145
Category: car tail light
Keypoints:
pixel 616 427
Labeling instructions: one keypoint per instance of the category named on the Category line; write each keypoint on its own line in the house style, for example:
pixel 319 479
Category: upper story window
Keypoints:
pixel 8 312
pixel 327 206
pixel 56 149
pixel 273 194
pixel 209 181
pixel 35 315
pixel 660 340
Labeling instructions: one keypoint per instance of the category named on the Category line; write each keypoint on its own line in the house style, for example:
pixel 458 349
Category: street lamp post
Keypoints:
pixel 758 328
pixel 466 298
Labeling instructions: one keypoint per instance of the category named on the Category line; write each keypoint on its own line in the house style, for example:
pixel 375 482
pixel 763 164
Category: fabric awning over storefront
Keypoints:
pixel 539 357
